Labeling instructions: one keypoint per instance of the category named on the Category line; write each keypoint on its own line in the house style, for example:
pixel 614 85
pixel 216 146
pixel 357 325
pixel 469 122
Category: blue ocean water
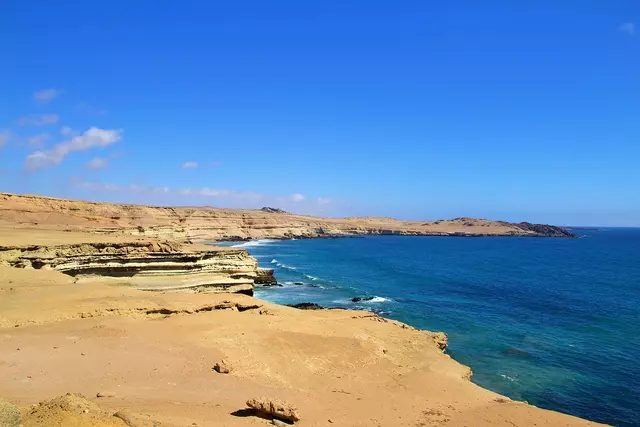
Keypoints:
pixel 555 322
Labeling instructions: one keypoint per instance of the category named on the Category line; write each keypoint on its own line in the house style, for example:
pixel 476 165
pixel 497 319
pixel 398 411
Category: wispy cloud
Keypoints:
pixel 46 95
pixel 198 192
pixel 628 28
pixel 5 134
pixel 323 200
pixel 94 137
pixel 190 165
pixel 98 163
pixel 38 120
pixel 67 131
pixel 297 197
pixel 37 141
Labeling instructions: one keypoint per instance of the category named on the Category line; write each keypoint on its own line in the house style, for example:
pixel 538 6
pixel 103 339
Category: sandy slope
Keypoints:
pixel 155 352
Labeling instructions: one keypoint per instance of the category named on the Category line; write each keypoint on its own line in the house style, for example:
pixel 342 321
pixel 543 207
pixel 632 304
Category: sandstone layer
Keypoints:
pixel 144 264
pixel 206 223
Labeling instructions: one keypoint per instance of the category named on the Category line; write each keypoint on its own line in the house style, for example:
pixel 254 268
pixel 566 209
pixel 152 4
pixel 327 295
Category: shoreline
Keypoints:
pixel 93 331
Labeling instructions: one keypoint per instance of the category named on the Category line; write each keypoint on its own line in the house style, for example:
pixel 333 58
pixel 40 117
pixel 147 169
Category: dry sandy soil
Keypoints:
pixel 156 352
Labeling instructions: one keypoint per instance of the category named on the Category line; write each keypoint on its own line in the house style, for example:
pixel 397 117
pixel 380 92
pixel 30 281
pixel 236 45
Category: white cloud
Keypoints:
pixel 39 120
pixel 37 141
pixel 323 200
pixel 201 192
pixel 628 28
pixel 98 163
pixel 67 131
pixel 46 95
pixel 190 165
pixel 94 137
pixel 212 192
pixel 5 134
pixel 297 197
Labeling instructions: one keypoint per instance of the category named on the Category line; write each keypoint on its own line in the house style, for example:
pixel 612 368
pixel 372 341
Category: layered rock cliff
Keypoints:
pixel 202 223
pixel 146 265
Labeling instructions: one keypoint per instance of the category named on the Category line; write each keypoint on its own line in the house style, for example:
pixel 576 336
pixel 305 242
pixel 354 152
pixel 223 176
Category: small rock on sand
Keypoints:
pixel 222 367
pixel 106 394
pixel 275 408
pixel 9 414
pixel 277 422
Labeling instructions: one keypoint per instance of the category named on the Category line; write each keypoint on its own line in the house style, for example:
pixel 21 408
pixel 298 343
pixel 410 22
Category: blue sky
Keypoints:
pixel 412 109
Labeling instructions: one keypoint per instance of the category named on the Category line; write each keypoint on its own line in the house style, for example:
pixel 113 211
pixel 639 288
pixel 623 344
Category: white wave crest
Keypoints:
pixel 253 243
pixel 378 299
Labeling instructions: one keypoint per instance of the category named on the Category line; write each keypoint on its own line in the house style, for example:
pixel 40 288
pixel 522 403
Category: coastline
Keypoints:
pixel 73 318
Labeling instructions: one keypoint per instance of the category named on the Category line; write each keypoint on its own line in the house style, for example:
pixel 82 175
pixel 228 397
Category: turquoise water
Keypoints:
pixel 555 322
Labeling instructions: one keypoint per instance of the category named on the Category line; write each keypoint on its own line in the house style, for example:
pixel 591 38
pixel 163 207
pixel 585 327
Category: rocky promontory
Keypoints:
pixel 146 265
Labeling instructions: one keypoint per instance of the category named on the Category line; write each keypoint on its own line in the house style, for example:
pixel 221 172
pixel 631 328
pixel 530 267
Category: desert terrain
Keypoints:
pixel 144 327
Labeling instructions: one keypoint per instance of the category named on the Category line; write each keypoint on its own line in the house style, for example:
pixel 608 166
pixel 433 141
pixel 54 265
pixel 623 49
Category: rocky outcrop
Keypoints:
pixel 207 223
pixel 152 266
pixel 274 408
pixel 545 230
pixel 265 277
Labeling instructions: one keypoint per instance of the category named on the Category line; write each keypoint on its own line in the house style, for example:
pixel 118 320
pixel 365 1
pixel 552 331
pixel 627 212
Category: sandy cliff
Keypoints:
pixel 184 223
pixel 142 263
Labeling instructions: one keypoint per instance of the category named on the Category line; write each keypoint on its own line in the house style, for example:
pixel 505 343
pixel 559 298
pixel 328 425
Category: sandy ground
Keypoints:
pixel 155 352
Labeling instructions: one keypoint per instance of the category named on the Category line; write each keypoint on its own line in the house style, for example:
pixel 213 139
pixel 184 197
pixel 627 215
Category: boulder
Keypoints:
pixel 274 408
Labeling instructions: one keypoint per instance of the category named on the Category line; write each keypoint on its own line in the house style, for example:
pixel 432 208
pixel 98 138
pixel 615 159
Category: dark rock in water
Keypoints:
pixel 306 306
pixel 358 299
pixel 545 230
pixel 273 210
pixel 298 283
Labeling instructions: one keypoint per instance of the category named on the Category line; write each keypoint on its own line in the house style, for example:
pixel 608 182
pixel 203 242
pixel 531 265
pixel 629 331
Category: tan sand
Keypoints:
pixel 156 352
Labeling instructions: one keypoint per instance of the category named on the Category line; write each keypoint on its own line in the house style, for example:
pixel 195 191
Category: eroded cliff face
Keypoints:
pixel 152 265
pixel 206 223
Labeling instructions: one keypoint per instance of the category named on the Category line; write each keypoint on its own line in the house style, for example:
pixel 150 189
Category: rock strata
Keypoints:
pixel 147 265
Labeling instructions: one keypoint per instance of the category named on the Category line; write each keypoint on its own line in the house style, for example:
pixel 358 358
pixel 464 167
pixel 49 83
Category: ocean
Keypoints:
pixel 552 321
